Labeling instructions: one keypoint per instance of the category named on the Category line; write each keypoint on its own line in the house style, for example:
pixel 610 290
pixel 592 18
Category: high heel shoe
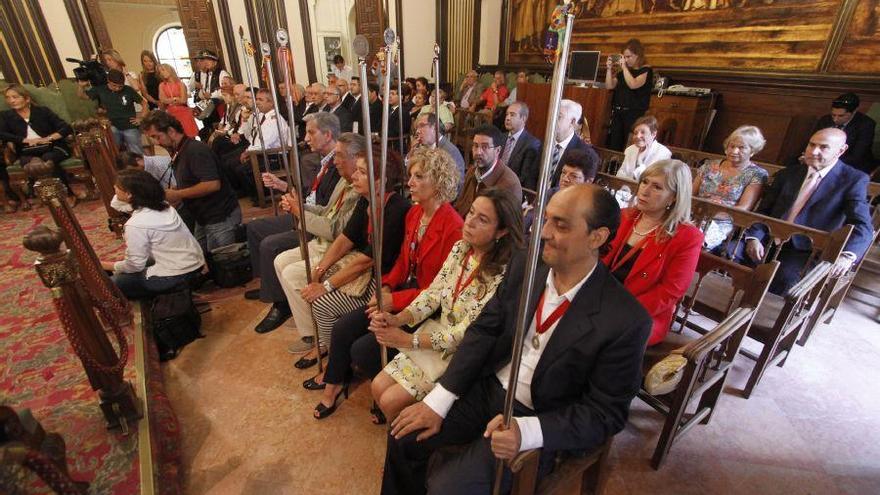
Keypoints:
pixel 305 362
pixel 312 384
pixel 323 411
pixel 378 417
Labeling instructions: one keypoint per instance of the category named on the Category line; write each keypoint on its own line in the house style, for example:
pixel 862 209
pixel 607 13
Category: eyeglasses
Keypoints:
pixel 482 146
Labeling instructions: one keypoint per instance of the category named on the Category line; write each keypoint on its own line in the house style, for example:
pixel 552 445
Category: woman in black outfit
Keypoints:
pixel 34 131
pixel 632 91
pixel 149 78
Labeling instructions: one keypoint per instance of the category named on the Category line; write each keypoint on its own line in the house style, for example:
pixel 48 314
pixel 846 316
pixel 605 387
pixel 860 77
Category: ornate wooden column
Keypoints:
pixel 95 141
pixel 76 301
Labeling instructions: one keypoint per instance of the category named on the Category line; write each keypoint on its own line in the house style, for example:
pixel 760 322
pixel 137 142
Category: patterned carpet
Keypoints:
pixel 39 371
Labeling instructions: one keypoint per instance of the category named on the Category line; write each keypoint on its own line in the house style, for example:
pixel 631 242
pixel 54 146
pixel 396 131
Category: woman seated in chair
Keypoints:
pixel 492 233
pixel 160 251
pixel 644 149
pixel 655 250
pixel 342 280
pixel 733 181
pixel 34 131
pixel 432 228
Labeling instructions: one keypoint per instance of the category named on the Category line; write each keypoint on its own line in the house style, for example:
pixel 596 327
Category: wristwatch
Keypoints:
pixel 328 286
pixel 415 342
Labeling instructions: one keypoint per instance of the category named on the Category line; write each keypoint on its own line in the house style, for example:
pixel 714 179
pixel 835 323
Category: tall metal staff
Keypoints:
pixel 397 57
pixel 249 50
pixel 267 56
pixel 437 93
pixel 523 319
pixel 362 49
pixel 283 40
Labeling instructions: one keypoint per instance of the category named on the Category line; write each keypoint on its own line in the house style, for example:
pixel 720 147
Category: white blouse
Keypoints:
pixel 634 164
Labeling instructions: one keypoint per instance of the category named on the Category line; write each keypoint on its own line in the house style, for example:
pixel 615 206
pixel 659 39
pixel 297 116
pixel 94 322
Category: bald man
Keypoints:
pixel 577 376
pixel 824 193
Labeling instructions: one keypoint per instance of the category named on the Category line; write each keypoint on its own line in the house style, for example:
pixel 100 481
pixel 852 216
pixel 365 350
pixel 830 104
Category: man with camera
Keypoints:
pixel 205 88
pixel 118 102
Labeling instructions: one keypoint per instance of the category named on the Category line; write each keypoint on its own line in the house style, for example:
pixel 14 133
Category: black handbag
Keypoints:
pixel 175 321
pixel 230 266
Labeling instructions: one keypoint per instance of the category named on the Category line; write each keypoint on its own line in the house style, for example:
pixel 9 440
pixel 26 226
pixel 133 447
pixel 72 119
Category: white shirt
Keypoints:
pixel 440 400
pixel 634 163
pixel 270 132
pixel 205 79
pixel 160 167
pixel 344 73
pixel 163 237
pixel 482 177
pixel 564 144
pixel 466 97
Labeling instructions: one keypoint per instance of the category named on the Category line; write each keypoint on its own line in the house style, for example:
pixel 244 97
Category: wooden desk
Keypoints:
pixel 683 121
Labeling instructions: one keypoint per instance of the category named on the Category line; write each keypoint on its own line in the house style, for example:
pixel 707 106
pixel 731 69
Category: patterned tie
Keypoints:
pixel 508 149
pixel 807 190
pixel 554 158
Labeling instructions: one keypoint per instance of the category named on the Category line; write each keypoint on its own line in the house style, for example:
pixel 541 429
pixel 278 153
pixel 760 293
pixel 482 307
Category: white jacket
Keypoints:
pixel 160 236
pixel 634 164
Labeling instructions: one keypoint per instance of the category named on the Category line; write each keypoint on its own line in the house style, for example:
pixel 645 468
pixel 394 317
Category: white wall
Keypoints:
pixel 61 30
pixel 133 27
pixel 330 19
pixel 419 34
pixel 490 31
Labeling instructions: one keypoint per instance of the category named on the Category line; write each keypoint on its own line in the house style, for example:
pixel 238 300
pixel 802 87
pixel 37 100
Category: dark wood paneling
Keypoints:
pixel 199 26
pixel 596 105
pixel 307 40
pixel 370 22
pixel 28 52
pixel 97 23
pixel 231 38
pixel 80 30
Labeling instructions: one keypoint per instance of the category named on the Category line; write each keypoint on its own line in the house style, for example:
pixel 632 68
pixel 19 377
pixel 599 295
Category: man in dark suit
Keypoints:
pixel 824 193
pixel 578 374
pixel 859 129
pixel 333 104
pixel 396 112
pixel 566 138
pixel 522 151
pixel 347 98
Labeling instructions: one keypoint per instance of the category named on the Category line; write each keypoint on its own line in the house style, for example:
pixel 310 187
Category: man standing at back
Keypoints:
pixel 522 151
pixel 581 364
pixel 566 138
pixel 200 186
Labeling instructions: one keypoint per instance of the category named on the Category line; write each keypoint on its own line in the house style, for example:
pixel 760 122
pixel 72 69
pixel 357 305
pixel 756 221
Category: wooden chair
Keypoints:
pixel 780 318
pixel 623 189
pixel 611 160
pixel 257 172
pixel 709 359
pixel 696 158
pixel 836 290
pixel 583 475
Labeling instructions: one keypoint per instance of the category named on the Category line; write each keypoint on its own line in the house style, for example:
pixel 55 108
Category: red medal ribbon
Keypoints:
pixel 459 287
pixel 543 326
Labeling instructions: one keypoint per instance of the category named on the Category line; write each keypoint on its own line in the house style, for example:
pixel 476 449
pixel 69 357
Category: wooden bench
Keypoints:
pixel 571 474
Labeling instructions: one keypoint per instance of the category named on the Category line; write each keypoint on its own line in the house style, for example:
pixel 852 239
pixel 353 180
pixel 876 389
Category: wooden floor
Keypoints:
pixel 812 427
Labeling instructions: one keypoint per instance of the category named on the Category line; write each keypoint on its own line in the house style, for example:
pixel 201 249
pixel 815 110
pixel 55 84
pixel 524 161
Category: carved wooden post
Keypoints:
pixel 95 141
pixel 24 442
pixel 76 310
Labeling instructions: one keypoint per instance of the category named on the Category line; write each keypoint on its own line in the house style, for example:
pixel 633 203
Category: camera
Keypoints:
pixel 91 71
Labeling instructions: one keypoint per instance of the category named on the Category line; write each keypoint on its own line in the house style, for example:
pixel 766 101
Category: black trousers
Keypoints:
pixel 267 238
pixel 793 264
pixel 620 127
pixel 56 155
pixel 352 345
pixel 466 469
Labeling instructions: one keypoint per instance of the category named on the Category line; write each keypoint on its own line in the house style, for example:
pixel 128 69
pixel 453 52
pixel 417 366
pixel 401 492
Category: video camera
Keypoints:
pixel 90 70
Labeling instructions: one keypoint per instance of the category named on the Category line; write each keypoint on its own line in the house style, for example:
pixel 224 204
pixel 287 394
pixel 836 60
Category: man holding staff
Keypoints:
pixel 580 367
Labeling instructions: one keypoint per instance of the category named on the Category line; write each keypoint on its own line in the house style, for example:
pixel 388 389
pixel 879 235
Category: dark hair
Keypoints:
pixel 510 217
pixel 356 78
pixel 587 162
pixel 423 80
pixel 127 159
pixel 847 101
pixel 604 212
pixel 393 167
pixel 151 56
pixel 648 121
pixel 161 121
pixel 490 131
pixel 371 86
pixel 145 190
pixel 635 46
pixel 338 58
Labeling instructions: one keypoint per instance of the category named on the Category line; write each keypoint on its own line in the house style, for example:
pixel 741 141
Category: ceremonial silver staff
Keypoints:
pixel 400 108
pixel 362 49
pixel 249 50
pixel 523 319
pixel 283 39
pixel 437 93
pixel 267 57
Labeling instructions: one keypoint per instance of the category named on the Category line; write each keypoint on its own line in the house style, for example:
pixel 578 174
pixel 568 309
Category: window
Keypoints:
pixel 171 49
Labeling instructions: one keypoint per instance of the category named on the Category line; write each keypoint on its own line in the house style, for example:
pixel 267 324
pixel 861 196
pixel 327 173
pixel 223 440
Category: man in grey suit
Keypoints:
pixel 426 135
pixel 522 151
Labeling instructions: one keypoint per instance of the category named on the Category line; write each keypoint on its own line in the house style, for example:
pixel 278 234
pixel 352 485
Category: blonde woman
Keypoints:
pixel 112 60
pixel 173 97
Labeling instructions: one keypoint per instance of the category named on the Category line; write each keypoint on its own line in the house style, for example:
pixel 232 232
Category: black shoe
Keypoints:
pixel 378 417
pixel 276 317
pixel 252 295
pixel 322 411
pixel 312 384
pixel 305 362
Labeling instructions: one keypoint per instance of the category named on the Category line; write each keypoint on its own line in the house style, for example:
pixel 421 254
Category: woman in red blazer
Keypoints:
pixel 656 249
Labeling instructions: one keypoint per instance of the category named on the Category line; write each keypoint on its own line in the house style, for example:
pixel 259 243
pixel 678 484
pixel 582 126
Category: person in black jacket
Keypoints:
pixel 859 129
pixel 577 376
pixel 34 131
pixel 522 151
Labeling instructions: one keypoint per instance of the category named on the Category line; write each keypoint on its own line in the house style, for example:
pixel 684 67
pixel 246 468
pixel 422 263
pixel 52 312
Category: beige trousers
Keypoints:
pixel 291 270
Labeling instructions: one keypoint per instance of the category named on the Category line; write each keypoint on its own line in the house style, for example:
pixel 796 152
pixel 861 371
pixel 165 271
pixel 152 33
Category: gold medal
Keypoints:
pixel 536 342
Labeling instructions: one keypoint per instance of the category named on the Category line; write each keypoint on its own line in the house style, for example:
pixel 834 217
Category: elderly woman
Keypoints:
pixel 645 149
pixel 655 250
pixel 432 228
pixel 632 91
pixel 34 131
pixel 732 181
pixel 492 233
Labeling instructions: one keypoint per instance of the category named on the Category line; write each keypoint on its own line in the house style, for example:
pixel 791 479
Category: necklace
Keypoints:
pixel 643 234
